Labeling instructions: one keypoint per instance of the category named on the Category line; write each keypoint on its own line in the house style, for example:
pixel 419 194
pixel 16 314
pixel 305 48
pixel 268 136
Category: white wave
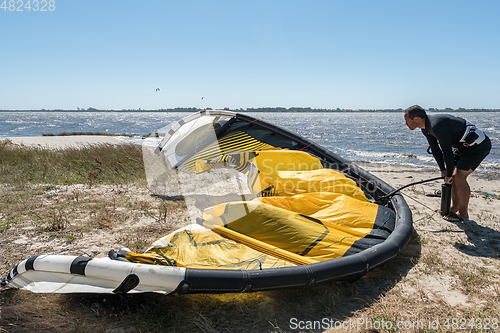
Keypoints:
pixel 402 157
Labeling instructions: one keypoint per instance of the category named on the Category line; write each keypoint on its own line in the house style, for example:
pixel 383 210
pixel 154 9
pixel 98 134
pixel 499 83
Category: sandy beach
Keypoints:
pixel 454 265
pixel 61 142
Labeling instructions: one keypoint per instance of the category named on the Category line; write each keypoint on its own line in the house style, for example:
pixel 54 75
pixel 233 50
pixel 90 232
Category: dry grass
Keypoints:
pixel 92 164
pixel 447 270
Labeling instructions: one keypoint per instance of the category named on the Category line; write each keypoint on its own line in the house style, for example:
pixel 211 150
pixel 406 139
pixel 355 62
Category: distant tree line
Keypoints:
pixel 263 109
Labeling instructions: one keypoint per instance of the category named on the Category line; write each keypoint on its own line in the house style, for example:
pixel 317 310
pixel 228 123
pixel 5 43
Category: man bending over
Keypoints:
pixel 458 148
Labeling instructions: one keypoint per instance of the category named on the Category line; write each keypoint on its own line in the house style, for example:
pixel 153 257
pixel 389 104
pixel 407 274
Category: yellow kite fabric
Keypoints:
pixel 203 248
pixel 302 213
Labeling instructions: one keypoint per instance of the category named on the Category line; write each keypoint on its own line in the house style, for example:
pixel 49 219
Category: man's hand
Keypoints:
pixel 447 180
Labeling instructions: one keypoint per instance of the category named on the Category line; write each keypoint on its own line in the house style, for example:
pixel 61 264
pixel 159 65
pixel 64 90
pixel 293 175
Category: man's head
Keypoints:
pixel 415 117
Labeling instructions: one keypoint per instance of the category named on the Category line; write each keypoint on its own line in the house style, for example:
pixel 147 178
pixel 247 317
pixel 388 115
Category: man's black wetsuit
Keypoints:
pixel 444 132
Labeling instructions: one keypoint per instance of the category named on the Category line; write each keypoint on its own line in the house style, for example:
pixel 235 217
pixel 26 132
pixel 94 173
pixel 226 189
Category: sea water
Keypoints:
pixel 356 136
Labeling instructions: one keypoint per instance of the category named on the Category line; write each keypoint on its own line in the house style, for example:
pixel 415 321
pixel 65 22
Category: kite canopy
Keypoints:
pixel 267 209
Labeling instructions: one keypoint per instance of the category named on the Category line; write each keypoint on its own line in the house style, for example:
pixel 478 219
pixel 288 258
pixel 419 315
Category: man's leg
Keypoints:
pixel 469 160
pixel 460 193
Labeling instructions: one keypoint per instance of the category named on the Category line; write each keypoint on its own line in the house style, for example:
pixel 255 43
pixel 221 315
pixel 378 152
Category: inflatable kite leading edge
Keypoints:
pixel 268 210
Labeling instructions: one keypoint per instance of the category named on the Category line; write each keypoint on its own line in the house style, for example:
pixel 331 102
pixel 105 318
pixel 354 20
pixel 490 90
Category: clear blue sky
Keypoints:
pixel 239 54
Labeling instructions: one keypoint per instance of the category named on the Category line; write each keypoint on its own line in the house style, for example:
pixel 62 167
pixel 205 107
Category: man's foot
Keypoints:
pixel 452 217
